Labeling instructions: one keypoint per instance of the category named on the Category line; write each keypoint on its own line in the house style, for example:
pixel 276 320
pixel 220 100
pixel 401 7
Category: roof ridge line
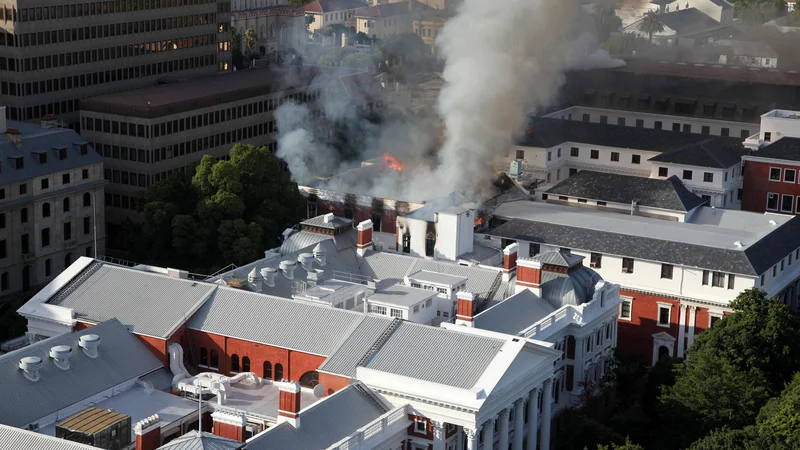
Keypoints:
pixel 372 398
pixel 380 342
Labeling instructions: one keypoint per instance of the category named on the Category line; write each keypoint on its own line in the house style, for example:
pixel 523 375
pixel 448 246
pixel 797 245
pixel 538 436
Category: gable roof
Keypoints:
pixel 121 357
pixel 712 152
pixel 13 438
pixel 514 314
pixel 150 304
pixel 326 6
pixel 356 345
pixel 787 148
pixel 669 194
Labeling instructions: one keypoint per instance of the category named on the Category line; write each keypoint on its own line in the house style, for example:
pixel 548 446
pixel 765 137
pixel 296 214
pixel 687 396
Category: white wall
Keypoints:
pixel 780 127
pixel 417 229
pixel 454 234
pixel 723 192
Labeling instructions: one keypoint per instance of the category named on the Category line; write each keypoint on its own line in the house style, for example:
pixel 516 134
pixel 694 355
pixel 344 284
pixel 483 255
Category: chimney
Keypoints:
pixel 289 404
pixel 31 366
pixel 510 261
pixel 465 309
pixel 364 237
pixel 60 355
pixel 287 267
pixel 228 425
pixel 268 274
pixel 529 276
pixel 148 433
pixel 89 344
pixel 13 135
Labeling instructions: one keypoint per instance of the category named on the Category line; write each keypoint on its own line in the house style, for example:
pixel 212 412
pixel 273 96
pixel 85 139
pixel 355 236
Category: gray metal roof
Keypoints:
pixel 148 303
pixel 121 357
pixel 437 278
pixel 35 140
pixel 561 259
pixel 668 194
pixel 350 352
pixel 319 221
pixel 12 438
pixel 301 240
pixel 401 295
pixel 201 441
pixel 575 288
pixel 291 324
pixel 324 423
pixel 713 153
pixel 514 314
pixel 436 355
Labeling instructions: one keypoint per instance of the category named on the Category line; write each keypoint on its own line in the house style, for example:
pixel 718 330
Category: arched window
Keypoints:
pixel 309 379
pixel 87 199
pixel 246 364
pixel 663 353
pixel 203 356
pixel 278 372
pixel 267 370
pixel 214 363
pixel 46 210
pixel 66 205
pixel 234 363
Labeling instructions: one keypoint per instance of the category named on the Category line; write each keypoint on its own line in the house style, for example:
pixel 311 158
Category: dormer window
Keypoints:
pixel 43 158
pixel 19 162
pixel 62 153
pixel 84 147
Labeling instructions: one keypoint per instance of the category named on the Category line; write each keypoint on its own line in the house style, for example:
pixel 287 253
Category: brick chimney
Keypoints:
pixel 529 276
pixel 364 237
pixel 230 426
pixel 510 261
pixel 465 309
pixel 148 433
pixel 13 135
pixel 289 402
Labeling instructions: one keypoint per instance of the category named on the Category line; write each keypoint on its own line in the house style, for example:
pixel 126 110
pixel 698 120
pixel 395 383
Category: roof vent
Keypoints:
pixel 89 344
pixel 253 275
pixel 319 254
pixel 738 244
pixel 268 274
pixel 329 218
pixel 307 260
pixel 60 355
pixel 287 267
pixel 31 366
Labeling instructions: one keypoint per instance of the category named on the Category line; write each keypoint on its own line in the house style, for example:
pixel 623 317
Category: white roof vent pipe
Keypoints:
pixel 89 344
pixel 307 260
pixel 31 366
pixel 60 355
pixel 329 217
pixel 319 254
pixel 287 267
pixel 268 274
pixel 253 275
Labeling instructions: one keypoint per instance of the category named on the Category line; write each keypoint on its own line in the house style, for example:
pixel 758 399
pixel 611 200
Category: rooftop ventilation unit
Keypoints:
pixel 329 217
pixel 89 344
pixel 307 260
pixel 287 267
pixel 31 366
pixel 60 355
pixel 268 274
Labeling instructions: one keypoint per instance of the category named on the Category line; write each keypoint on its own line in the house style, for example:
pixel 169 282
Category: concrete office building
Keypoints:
pixel 49 180
pixel 149 133
pixel 54 54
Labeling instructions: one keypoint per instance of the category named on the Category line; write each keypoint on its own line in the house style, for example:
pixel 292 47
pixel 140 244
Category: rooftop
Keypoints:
pixel 669 194
pixel 91 420
pixel 326 6
pixel 328 221
pixel 261 399
pixel 687 20
pixel 13 438
pixel 716 73
pixel 386 10
pixel 515 314
pixel 712 153
pixel 402 296
pixel 201 441
pixel 787 148
pixel 437 278
pixel 709 243
pixel 350 352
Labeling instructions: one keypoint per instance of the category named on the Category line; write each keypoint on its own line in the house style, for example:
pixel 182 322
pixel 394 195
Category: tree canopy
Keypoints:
pixel 299 3
pixel 225 212
pixel 651 24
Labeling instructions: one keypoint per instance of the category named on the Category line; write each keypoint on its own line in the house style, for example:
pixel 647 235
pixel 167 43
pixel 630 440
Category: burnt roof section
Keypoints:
pixel 178 97
pixel 547 133
pixel 787 148
pixel 713 153
pixel 668 194
pixel 753 261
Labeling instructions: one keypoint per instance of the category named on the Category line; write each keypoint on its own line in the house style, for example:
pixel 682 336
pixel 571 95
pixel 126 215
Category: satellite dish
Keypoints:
pixel 319 391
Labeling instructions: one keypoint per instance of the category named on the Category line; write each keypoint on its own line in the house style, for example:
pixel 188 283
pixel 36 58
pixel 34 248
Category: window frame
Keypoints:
pixel 667 268
pixel 687 172
pixel 668 307
pixel 777 201
pixel 629 301
pixel 780 174
pixel 794 176
pixel 665 170
pixel 596 260
pixel 708 177
pixel 791 206
pixel 626 270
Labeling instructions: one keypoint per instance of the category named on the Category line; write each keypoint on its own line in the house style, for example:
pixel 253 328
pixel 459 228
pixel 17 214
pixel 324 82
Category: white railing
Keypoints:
pixel 377 432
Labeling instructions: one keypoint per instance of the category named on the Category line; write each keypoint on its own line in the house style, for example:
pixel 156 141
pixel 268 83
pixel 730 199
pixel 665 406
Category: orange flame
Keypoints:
pixel 479 221
pixel 392 162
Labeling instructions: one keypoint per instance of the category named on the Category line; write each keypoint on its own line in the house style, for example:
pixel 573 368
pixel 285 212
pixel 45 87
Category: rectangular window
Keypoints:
pixel 687 174
pixel 65 178
pixel 725 132
pixel 3 249
pixel 520 154
pixel 708 177
pixel 533 249
pixel 596 260
pixel 636 159
pixel 705 130
pixel 663 315
pixel 621 121
pixel 676 127
pixel 45 237
pixel 774 174
pixel 788 175
pixel 687 128
pixel 87 225
pixel 787 202
pixel 45 183
pixel 658 125
pixel 574 152
pixel 375 309
pixel 772 201
pixel 639 123
pixel 767 136
pixel 25 246
pixel 614 157
pixel 67 231
pixel 627 265
pixel 705 278
pixel 666 271
pixel 731 280
pixel 595 154
pixel 398 313
pixel 662 172
pixel 718 279
pixel 625 309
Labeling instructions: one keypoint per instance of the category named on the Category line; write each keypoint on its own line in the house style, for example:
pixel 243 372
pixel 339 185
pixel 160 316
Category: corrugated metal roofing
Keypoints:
pixel 319 221
pixel 286 323
pixel 325 423
pixel 355 346
pixel 91 420
pixel 12 438
pixel 514 314
pixel 148 303
pixel 562 259
pixel 121 357
pixel 407 353
pixel 301 240
pixel 201 441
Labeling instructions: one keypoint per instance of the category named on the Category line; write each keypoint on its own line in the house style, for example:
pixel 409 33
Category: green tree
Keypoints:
pixel 579 431
pixel 299 3
pixel 309 20
pixel 362 37
pixel 628 445
pixel 651 24
pixel 249 38
pixel 780 417
pixel 237 57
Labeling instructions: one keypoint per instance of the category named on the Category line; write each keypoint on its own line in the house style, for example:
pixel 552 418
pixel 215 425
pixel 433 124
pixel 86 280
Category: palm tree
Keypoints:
pixel 249 38
pixel 651 24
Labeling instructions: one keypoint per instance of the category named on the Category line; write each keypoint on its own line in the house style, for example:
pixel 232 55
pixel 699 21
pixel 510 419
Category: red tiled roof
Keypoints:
pixel 326 6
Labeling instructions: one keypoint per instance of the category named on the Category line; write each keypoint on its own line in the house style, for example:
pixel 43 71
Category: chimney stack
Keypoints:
pixel 465 309
pixel 148 433
pixel 289 403
pixel 364 237
pixel 230 426
pixel 510 261
pixel 529 276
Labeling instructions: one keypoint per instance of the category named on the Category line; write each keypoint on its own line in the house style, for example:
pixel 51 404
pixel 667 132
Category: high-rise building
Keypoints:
pixel 53 54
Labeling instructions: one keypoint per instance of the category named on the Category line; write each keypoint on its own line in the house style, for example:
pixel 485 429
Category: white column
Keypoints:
pixel 681 330
pixel 692 313
pixel 547 399
pixel 488 434
pixel 438 435
pixel 519 423
pixel 533 418
pixel 503 418
pixel 472 438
